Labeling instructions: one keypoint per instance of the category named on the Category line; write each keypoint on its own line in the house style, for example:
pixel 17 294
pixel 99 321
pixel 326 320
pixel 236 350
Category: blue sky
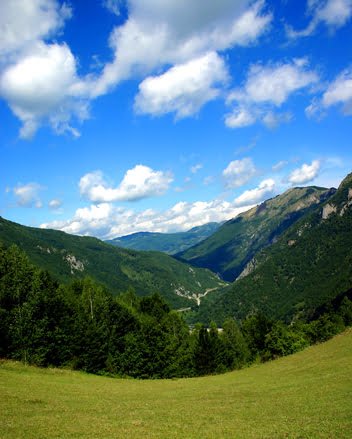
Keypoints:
pixel 124 116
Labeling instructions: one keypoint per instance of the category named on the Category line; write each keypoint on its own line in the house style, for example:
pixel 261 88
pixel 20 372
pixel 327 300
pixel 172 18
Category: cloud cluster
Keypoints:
pixel 37 79
pixel 265 89
pixel 159 33
pixel 108 221
pixel 184 36
pixel 305 173
pixel 138 182
pixel 332 13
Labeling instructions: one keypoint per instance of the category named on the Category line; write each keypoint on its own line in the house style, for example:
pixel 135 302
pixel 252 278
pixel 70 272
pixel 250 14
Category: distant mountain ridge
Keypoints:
pixel 234 244
pixel 308 265
pixel 170 243
pixel 70 257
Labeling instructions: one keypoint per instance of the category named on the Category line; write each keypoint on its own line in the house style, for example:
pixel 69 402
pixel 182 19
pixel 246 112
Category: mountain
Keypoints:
pixel 308 265
pixel 170 243
pixel 70 257
pixel 234 244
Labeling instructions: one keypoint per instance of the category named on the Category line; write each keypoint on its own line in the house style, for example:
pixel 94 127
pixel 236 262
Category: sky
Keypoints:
pixel 160 115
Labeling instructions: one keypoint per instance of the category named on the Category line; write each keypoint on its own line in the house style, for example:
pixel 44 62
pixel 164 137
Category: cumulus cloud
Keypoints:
pixel 256 195
pixel 239 117
pixel 238 172
pixel 266 88
pixel 107 221
pixel 39 85
pixel 27 195
pixel 340 92
pixel 273 84
pixel 159 33
pixel 184 88
pixel 332 13
pixel 138 182
pixel 23 22
pixel 305 173
pixel 38 79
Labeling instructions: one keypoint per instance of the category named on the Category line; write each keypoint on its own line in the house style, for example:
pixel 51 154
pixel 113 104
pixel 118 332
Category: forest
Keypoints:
pixel 83 326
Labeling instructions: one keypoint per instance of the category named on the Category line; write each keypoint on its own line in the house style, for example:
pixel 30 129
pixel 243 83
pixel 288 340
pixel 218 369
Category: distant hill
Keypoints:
pixel 70 257
pixel 235 243
pixel 170 243
pixel 308 265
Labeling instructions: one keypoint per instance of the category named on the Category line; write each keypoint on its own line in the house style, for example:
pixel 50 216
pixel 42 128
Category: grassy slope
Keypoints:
pixel 117 268
pixel 306 395
pixel 169 243
pixel 235 243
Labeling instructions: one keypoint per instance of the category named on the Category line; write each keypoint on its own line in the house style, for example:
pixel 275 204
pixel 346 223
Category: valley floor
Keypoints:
pixel 306 395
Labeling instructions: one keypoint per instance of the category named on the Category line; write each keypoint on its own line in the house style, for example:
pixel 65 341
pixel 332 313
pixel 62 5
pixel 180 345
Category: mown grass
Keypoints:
pixel 307 395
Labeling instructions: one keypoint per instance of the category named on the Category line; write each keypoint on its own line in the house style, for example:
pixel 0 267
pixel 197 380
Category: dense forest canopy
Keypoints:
pixel 83 326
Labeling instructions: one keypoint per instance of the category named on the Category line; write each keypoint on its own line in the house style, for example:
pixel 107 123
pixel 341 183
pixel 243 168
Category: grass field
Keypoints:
pixel 306 395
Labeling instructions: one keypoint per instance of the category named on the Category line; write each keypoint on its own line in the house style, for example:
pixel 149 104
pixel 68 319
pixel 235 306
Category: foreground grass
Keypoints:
pixel 307 395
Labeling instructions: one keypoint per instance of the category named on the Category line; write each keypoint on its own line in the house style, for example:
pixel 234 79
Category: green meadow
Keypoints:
pixel 306 395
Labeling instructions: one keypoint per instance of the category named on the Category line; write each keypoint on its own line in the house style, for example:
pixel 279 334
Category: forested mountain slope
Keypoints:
pixel 235 243
pixel 70 257
pixel 309 264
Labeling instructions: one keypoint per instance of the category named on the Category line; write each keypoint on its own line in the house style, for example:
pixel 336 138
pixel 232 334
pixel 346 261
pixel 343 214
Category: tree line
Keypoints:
pixel 83 326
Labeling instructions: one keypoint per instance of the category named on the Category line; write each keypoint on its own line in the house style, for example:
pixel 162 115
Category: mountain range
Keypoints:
pixel 170 243
pixel 309 264
pixel 70 257
pixel 235 243
pixel 285 257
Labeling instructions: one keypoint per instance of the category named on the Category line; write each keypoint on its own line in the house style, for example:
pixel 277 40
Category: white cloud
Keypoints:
pixel 238 172
pixel 184 88
pixel 333 13
pixel 55 203
pixel 139 182
pixel 107 221
pixel 159 33
pixel 340 92
pixel 256 195
pixel 177 34
pixel 240 117
pixel 265 88
pixel 27 195
pixel 39 86
pixel 305 173
pixel 23 22
pixel 274 84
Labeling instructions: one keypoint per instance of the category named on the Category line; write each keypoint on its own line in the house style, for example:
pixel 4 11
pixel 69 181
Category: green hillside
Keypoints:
pixel 170 243
pixel 234 244
pixel 70 257
pixel 310 264
pixel 306 395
